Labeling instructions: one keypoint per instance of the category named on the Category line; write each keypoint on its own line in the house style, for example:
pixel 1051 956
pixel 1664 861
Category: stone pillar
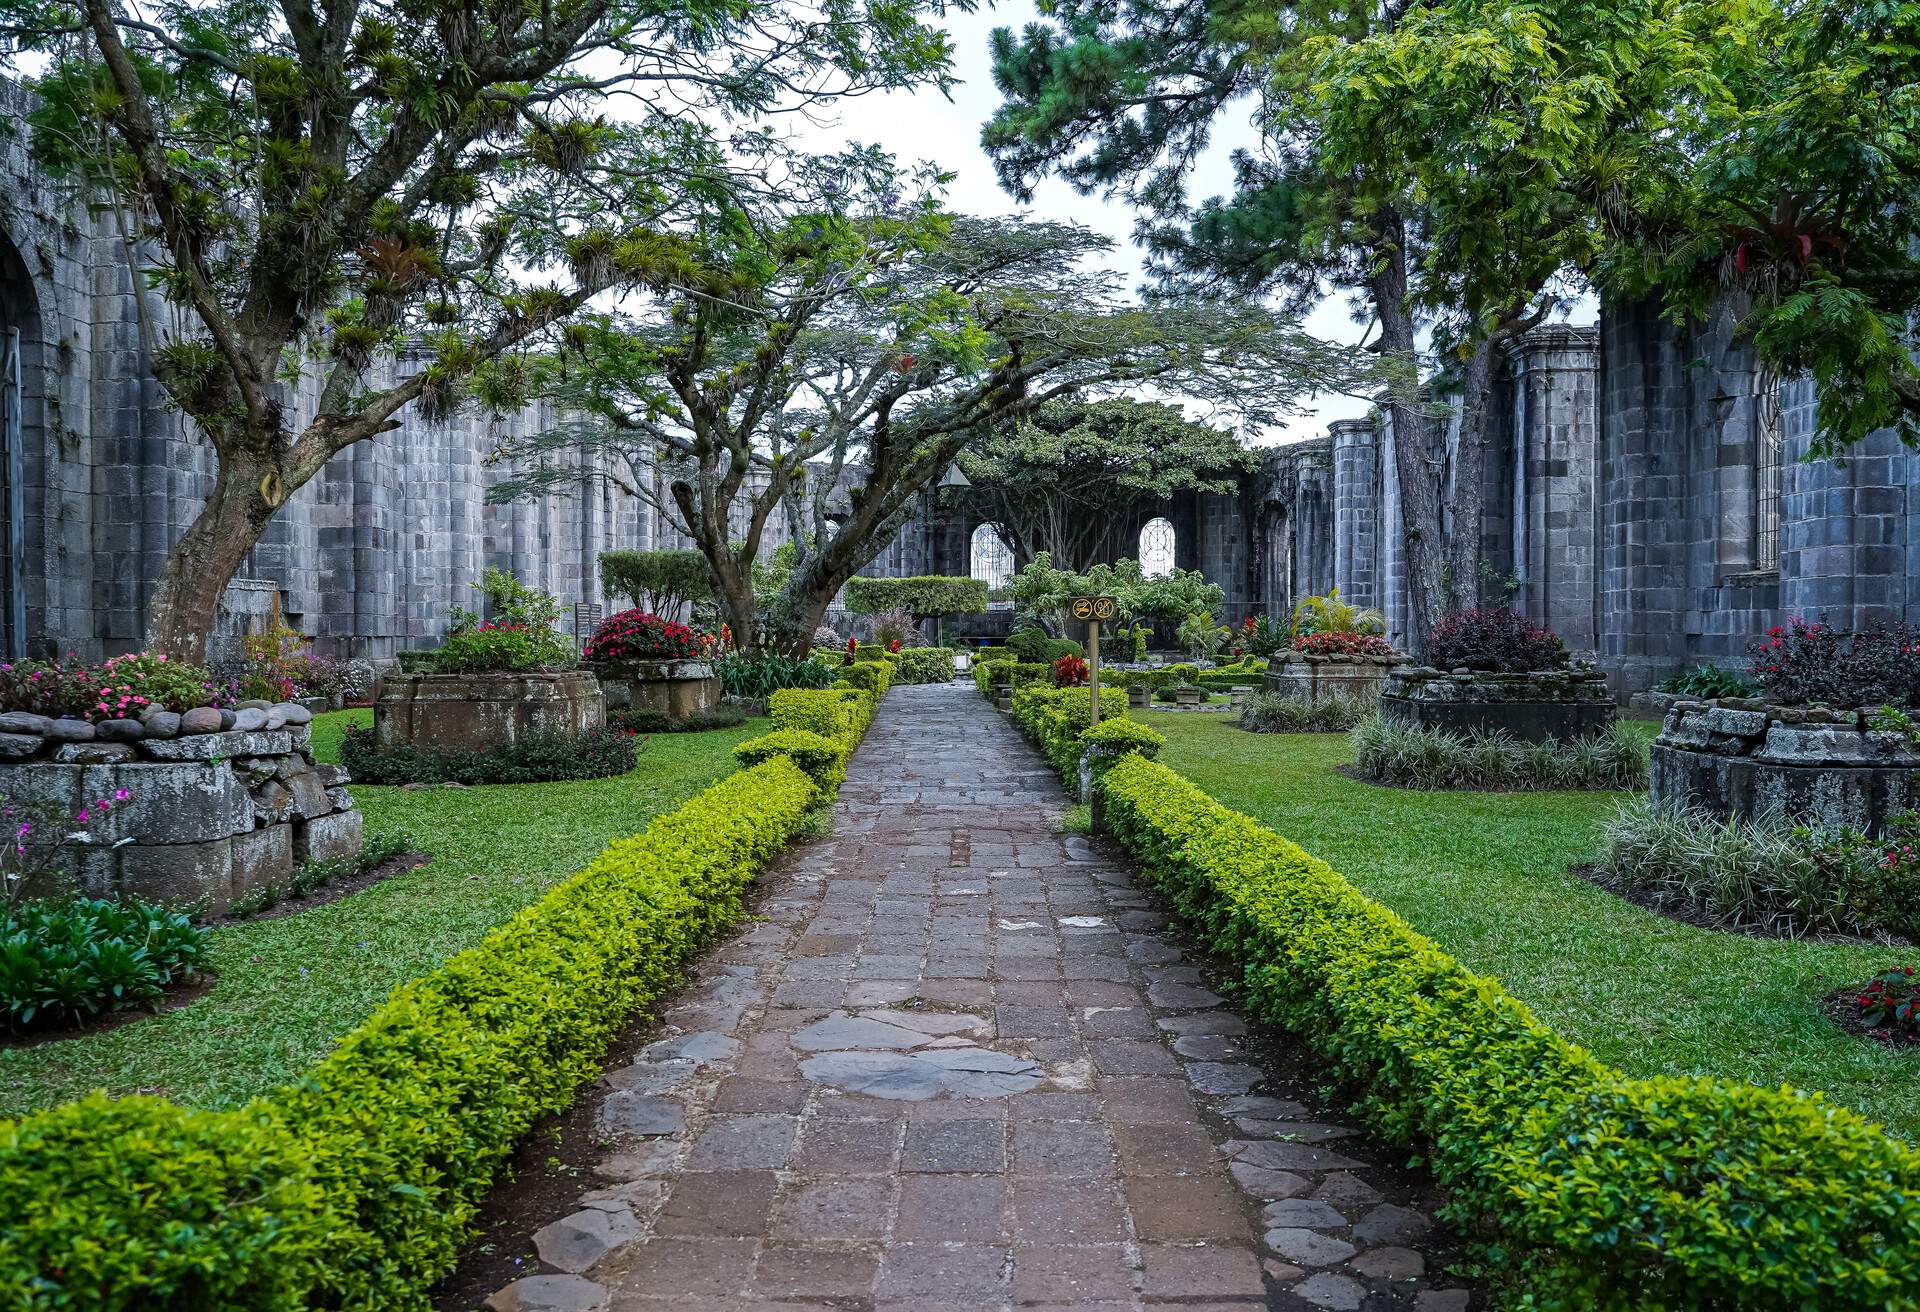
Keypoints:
pixel 1356 509
pixel 1555 452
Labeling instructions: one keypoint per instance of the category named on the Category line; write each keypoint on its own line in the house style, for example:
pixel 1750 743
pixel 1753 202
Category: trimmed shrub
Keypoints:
pixel 922 598
pixel 872 677
pixel 539 756
pixel 923 665
pixel 824 759
pixel 1494 638
pixel 1411 756
pixel 829 712
pixel 986 675
pixel 657 580
pixel 1115 738
pixel 1598 1190
pixel 1278 712
pixel 355 1185
pixel 645 720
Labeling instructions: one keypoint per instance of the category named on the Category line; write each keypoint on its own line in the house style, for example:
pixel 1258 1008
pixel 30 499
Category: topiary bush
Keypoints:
pixel 872 677
pixel 538 756
pixel 1493 638
pixel 918 665
pixel 1592 1189
pixel 824 759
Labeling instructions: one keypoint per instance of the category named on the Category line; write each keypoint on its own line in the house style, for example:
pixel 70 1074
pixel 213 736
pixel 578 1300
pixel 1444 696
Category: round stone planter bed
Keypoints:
pixel 1533 708
pixel 220 803
pixel 676 688
pixel 1738 758
pixel 477 712
pixel 1298 674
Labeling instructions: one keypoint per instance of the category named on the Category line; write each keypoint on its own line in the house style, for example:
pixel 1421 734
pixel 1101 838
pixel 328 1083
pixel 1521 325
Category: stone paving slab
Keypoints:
pixel 961 1060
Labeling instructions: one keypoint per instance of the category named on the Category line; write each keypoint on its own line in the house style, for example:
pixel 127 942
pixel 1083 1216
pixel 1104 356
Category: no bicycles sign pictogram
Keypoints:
pixel 1093 608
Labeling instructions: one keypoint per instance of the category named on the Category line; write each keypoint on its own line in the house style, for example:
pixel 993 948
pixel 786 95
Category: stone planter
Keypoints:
pixel 1139 696
pixel 218 804
pixel 674 688
pixel 1003 696
pixel 1535 708
pixel 1741 759
pixel 479 712
pixel 1296 674
pixel 1189 696
pixel 1237 696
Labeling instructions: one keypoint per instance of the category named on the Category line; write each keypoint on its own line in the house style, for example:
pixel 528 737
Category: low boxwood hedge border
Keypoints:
pixel 1595 1189
pixel 355 1185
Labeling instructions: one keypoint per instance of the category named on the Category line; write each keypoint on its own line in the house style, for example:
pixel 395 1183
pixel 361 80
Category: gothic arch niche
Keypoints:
pixel 1156 548
pixel 989 557
pixel 22 404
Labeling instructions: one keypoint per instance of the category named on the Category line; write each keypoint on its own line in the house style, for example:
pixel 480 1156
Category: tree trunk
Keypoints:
pixel 1468 495
pixel 205 559
pixel 1416 440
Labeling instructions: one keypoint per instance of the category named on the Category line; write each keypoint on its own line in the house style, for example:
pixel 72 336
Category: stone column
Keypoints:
pixel 1555 467
pixel 1356 510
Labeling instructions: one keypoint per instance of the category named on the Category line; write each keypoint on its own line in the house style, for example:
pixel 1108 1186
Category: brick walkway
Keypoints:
pixel 961 1062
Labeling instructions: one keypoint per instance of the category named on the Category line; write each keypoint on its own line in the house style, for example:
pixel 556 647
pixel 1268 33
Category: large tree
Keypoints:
pixel 317 184
pixel 1055 480
pixel 855 356
pixel 1124 97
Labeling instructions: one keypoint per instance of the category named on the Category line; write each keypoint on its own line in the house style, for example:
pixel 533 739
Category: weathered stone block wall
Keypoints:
pixel 1536 707
pixel 1356 504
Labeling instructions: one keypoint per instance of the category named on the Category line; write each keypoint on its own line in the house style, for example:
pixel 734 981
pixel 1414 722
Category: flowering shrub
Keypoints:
pixel 1806 661
pixel 281 665
pixel 1494 638
pixel 825 636
pixel 636 635
pixel 1342 644
pixel 119 687
pixel 1070 672
pixel 1889 1006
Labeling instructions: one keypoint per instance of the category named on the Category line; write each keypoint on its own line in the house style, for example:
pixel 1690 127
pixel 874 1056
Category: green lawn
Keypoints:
pixel 286 989
pixel 1485 875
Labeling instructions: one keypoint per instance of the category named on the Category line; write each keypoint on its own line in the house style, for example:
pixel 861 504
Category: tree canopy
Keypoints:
pixel 924 597
pixel 1055 480
pixel 318 185
pixel 658 581
pixel 1043 588
pixel 858 352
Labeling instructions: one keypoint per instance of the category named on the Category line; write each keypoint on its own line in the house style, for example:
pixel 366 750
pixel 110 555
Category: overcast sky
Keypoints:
pixel 925 126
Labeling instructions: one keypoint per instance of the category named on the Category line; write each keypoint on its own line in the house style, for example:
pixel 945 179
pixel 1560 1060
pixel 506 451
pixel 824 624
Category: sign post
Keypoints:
pixel 1093 610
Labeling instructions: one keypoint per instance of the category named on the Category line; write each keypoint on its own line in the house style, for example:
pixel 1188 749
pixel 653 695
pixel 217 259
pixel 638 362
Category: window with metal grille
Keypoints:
pixel 1156 549
pixel 992 558
pixel 1768 457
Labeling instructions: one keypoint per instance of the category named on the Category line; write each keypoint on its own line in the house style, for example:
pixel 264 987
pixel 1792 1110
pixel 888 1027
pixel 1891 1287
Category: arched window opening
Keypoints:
pixel 992 558
pixel 1156 549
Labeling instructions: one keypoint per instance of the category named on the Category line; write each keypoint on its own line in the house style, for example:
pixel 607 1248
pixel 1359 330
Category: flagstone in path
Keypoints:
pixel 962 1061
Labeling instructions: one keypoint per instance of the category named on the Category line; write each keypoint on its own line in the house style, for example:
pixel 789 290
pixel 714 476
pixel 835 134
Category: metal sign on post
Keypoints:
pixel 1093 610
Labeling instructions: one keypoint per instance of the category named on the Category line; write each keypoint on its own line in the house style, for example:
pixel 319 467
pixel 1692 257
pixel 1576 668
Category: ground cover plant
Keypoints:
pixel 1414 756
pixel 284 989
pixel 1767 876
pixel 1707 681
pixel 1489 877
pixel 643 720
pixel 1279 712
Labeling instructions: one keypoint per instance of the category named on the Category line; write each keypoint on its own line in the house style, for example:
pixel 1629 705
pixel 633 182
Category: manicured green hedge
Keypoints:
pixel 354 1186
pixel 923 665
pixel 929 595
pixel 823 758
pixel 987 674
pixel 1599 1190
pixel 873 677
